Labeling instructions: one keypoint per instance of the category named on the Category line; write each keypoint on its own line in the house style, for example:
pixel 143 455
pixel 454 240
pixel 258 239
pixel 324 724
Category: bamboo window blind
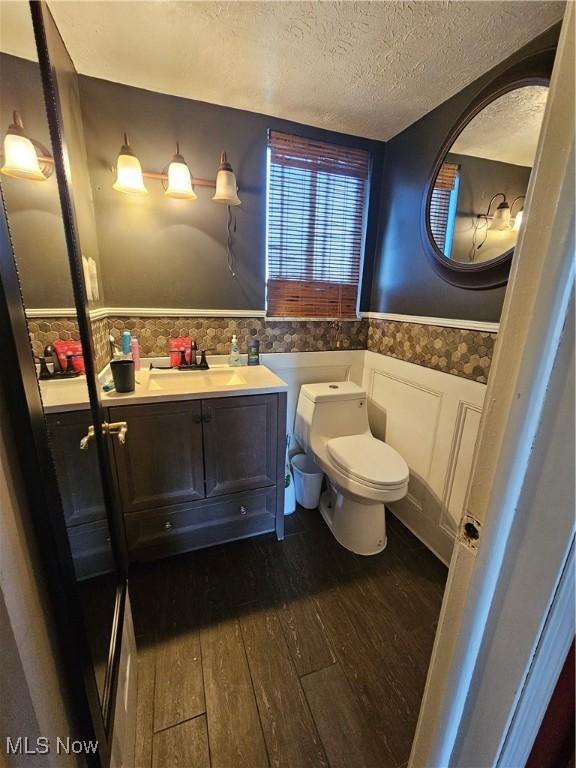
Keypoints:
pixel 316 203
pixel 440 202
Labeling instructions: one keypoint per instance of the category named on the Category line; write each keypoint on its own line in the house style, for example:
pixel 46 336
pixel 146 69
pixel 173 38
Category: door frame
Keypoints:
pixel 501 612
pixel 19 383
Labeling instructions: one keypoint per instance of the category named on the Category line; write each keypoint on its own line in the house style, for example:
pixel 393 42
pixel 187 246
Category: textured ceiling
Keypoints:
pixel 507 129
pixel 365 68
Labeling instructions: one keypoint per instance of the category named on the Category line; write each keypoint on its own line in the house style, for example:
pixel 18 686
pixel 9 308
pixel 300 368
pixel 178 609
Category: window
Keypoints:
pixel 443 206
pixel 315 227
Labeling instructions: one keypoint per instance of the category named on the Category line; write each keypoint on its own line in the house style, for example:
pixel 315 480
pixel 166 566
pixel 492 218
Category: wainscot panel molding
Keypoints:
pixel 51 312
pixel 179 312
pixel 442 322
pixel 297 368
pixel 432 420
pixel 145 312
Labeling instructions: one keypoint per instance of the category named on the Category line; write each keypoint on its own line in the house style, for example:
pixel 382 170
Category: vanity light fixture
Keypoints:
pixel 176 178
pixel 519 215
pixel 226 186
pixel 179 179
pixel 501 218
pixel 129 177
pixel 25 158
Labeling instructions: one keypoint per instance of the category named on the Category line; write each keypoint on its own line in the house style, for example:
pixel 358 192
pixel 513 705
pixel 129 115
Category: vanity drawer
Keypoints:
pixel 162 532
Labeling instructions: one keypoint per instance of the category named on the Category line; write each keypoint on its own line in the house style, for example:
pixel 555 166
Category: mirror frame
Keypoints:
pixel 532 70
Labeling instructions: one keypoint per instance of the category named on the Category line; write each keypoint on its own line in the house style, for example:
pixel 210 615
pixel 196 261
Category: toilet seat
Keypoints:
pixel 369 460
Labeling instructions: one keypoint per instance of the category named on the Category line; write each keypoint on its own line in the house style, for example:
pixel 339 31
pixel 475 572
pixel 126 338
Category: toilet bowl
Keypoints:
pixel 364 473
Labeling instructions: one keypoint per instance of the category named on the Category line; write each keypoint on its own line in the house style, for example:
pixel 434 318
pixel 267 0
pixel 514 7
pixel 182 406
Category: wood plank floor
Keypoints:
pixel 292 654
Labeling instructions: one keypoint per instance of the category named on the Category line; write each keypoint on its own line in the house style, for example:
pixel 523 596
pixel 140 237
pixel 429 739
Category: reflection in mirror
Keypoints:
pixel 34 217
pixel 477 201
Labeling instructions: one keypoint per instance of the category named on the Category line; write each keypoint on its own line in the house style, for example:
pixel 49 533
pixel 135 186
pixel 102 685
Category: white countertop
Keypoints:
pixel 155 385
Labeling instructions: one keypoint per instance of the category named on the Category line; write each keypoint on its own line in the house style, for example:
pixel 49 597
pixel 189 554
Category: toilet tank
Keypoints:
pixel 333 409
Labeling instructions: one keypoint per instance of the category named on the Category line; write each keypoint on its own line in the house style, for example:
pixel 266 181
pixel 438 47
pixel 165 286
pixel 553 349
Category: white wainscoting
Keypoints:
pixel 432 419
pixel 297 368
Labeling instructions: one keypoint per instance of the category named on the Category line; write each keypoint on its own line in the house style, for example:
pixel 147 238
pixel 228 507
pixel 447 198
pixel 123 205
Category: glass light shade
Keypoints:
pixel 501 218
pixel 226 186
pixel 129 174
pixel 20 158
pixel 179 180
pixel 518 220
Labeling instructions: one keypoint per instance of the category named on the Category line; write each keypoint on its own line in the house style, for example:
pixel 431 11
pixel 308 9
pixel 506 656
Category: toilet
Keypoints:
pixel 364 473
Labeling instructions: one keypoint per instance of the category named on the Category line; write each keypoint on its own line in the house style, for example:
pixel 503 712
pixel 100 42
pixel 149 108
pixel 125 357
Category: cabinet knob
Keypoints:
pixel 167 525
pixel 243 510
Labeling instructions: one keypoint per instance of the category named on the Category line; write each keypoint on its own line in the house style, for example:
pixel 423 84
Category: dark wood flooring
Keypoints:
pixel 292 654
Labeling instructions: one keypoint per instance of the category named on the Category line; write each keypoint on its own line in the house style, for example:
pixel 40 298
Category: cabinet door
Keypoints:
pixel 161 462
pixel 240 443
pixel 78 472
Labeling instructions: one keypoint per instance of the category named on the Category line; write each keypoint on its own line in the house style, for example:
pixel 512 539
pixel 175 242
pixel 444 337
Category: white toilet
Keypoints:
pixel 364 473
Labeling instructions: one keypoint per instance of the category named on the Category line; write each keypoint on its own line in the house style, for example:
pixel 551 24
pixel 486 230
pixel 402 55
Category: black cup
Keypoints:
pixel 123 375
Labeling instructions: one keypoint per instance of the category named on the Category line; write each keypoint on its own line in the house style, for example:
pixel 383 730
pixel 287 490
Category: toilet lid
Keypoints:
pixel 369 459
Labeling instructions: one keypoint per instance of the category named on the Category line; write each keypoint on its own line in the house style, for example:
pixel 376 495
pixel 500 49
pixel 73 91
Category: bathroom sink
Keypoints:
pixel 194 380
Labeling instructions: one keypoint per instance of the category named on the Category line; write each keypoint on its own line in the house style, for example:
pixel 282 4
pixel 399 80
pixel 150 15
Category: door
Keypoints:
pixel 493 666
pixel 240 443
pixel 162 462
pixel 45 225
pixel 79 575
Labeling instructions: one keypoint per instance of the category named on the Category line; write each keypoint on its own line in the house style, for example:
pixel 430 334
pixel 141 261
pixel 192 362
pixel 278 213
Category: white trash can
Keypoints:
pixel 289 494
pixel 307 481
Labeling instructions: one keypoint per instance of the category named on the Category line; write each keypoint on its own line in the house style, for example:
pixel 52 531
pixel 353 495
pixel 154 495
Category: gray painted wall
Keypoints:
pixel 404 279
pixel 159 252
pixel 480 179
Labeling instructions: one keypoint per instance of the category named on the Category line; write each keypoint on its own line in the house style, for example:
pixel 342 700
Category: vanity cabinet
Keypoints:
pixel 192 473
pixel 78 476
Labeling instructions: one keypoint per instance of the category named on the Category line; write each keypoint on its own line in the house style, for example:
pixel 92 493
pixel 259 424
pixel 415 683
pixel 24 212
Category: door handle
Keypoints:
pixel 118 428
pixel 86 439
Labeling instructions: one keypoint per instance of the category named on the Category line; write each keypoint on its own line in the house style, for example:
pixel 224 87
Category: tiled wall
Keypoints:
pixel 456 351
pixel 44 331
pixel 215 333
pixel 101 339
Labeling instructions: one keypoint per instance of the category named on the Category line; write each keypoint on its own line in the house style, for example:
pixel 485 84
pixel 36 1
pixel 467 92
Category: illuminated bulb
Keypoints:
pixel 129 177
pixel 179 179
pixel 20 157
pixel 518 220
pixel 226 187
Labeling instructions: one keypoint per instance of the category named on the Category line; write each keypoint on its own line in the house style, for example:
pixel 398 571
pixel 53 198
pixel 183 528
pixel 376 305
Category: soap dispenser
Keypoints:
pixel 234 352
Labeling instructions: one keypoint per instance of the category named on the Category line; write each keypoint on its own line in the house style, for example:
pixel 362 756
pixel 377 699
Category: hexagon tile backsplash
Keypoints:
pixel 457 351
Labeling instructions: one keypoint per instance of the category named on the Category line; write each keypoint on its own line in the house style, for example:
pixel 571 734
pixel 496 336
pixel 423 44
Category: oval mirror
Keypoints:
pixel 475 204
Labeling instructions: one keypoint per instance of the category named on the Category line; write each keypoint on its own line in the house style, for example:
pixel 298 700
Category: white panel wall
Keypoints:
pixel 432 419
pixel 297 368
